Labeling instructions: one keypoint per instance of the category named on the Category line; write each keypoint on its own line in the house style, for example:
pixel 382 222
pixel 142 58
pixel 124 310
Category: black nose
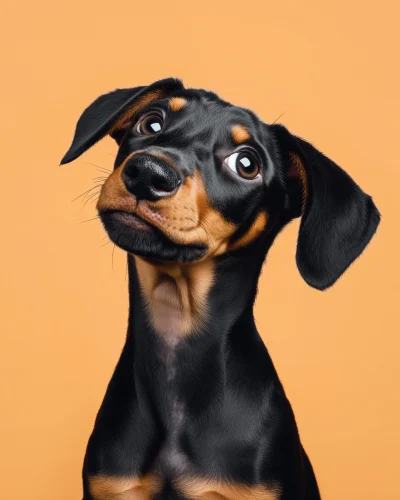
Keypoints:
pixel 150 178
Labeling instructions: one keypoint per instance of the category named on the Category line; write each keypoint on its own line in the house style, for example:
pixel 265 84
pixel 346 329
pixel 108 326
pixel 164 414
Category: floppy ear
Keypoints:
pixel 111 114
pixel 338 218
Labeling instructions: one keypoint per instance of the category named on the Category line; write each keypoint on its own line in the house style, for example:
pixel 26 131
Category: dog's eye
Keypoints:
pixel 244 164
pixel 150 124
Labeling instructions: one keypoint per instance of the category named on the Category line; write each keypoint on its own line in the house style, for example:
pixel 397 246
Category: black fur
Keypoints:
pixel 237 422
pixel 339 218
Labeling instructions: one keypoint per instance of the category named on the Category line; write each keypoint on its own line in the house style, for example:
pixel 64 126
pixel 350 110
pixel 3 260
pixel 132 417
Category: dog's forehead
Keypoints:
pixel 206 109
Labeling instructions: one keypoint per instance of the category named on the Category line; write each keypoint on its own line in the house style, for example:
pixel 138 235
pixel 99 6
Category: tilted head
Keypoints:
pixel 197 178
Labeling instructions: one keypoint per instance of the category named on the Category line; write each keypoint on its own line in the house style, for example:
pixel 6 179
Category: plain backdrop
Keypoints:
pixel 332 69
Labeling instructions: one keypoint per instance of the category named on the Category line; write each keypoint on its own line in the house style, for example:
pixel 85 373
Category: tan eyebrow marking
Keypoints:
pixel 240 134
pixel 177 103
pixel 137 106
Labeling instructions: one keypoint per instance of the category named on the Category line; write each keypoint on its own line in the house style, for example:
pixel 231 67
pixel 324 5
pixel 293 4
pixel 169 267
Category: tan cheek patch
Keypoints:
pixel 177 103
pixel 240 134
pixel 143 101
pixel 124 488
pixel 114 195
pixel 255 230
pixel 203 489
pixel 188 218
pixel 185 218
pixel 301 174
pixel 176 295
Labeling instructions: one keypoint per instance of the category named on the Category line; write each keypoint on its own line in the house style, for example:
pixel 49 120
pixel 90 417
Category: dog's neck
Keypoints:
pixel 176 297
pixel 182 303
pixel 182 318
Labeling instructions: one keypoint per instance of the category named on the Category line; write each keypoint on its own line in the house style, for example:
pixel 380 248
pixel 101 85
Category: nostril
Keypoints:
pixel 165 183
pixel 132 171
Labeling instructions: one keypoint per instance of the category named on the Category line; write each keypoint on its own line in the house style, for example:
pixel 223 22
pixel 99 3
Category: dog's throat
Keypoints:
pixel 175 296
pixel 168 309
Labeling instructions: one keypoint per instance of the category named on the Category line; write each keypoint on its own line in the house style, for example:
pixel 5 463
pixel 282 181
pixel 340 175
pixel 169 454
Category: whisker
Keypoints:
pixel 94 200
pixel 93 195
pixel 106 243
pixel 112 258
pixel 97 166
pixel 104 170
pixel 88 191
pixel 88 220
pixel 89 195
pixel 279 117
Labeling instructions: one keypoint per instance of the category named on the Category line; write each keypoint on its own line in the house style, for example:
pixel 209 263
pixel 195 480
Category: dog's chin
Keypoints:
pixel 136 236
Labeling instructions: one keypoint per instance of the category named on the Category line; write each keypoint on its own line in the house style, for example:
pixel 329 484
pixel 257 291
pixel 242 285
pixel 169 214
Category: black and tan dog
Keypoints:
pixel 200 189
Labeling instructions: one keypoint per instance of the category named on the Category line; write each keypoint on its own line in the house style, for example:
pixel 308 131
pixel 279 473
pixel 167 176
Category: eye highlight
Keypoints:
pixel 149 124
pixel 244 164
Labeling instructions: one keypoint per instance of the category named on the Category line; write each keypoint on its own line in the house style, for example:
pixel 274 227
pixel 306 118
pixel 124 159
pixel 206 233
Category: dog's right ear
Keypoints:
pixel 111 114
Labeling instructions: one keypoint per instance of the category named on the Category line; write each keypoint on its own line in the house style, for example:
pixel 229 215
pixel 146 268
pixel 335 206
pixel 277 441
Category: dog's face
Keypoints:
pixel 191 176
pixel 196 178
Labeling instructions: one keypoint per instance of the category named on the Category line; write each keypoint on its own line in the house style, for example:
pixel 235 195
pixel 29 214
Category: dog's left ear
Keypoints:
pixel 111 114
pixel 338 218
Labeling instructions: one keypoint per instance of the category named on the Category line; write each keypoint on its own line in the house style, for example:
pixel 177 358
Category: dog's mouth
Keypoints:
pixel 131 220
pixel 137 236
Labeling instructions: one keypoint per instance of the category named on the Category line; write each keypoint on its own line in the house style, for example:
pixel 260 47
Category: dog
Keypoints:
pixel 200 189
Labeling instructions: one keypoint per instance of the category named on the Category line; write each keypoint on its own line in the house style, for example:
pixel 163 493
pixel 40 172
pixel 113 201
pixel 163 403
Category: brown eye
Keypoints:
pixel 243 164
pixel 150 124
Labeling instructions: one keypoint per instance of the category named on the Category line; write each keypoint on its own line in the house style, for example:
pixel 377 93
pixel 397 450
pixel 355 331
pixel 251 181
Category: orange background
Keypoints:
pixel 332 69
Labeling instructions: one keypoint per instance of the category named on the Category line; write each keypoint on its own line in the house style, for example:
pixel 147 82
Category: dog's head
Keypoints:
pixel 196 178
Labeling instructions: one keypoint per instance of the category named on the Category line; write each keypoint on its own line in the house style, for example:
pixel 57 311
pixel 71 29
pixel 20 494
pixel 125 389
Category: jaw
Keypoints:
pixel 138 237
pixel 175 280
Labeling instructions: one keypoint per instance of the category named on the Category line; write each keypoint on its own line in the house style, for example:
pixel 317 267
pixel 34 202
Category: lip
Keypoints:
pixel 130 220
pixel 138 237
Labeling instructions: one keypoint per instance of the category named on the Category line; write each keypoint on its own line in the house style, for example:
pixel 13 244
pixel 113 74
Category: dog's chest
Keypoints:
pixel 195 475
pixel 191 452
pixel 171 458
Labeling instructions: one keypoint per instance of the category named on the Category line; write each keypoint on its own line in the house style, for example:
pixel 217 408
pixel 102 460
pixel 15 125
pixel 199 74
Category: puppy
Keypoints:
pixel 200 189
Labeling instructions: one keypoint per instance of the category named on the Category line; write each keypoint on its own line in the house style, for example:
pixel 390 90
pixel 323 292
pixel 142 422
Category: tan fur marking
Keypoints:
pixel 176 295
pixel 185 218
pixel 177 103
pixel 124 488
pixel 114 195
pixel 302 176
pixel 255 230
pixel 136 107
pixel 240 134
pixel 204 489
